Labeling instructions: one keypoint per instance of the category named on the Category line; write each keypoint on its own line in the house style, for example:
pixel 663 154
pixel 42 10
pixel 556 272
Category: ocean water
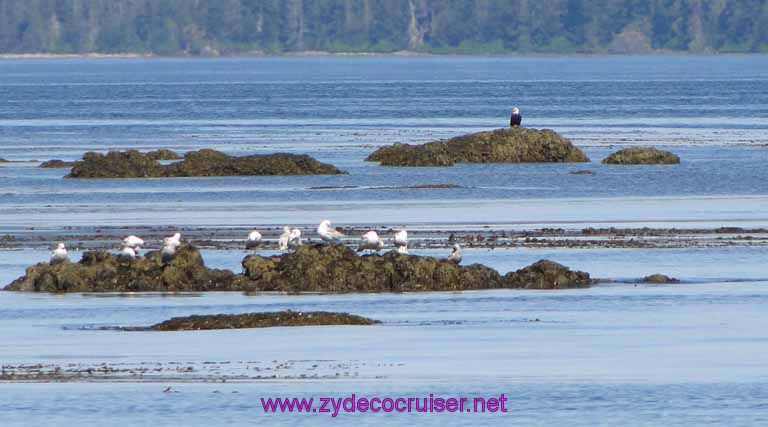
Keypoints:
pixel 710 110
pixel 619 353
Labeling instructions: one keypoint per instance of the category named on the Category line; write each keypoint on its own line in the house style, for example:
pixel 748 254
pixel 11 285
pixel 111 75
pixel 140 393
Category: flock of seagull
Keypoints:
pixel 289 240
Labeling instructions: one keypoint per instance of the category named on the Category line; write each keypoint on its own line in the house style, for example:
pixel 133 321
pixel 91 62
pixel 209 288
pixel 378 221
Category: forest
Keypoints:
pixel 234 27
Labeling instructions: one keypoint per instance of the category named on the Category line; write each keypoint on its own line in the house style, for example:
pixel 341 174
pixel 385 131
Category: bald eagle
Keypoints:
pixel 515 118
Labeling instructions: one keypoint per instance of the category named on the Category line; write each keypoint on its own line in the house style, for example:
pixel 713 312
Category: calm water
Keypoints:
pixel 688 354
pixel 710 110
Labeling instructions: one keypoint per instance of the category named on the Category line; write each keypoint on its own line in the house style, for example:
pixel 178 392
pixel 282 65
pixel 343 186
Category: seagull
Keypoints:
pixel 128 252
pixel 294 239
pixel 370 240
pixel 59 255
pixel 285 238
pixel 174 240
pixel 133 242
pixel 455 256
pixel 401 241
pixel 254 237
pixel 328 233
pixel 168 253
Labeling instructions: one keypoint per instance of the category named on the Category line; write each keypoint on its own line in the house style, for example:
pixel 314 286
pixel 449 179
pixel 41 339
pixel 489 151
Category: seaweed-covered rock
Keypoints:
pixel 311 268
pixel 508 145
pixel 336 268
pixel 164 154
pixel 116 164
pixel 642 156
pixel 100 271
pixel 215 163
pixel 134 164
pixel 659 279
pixel 546 274
pixel 259 320
pixel 56 164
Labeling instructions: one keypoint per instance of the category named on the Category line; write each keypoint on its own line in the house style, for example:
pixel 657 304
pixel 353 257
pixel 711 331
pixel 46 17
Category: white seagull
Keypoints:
pixel 371 240
pixel 59 255
pixel 285 238
pixel 254 238
pixel 133 242
pixel 168 253
pixel 174 240
pixel 328 233
pixel 294 239
pixel 455 255
pixel 128 252
pixel 401 241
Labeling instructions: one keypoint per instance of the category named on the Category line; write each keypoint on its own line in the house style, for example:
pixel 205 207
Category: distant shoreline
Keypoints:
pixel 308 54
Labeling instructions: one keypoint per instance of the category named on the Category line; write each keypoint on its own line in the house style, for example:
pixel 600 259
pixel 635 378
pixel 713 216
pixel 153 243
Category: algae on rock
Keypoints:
pixel 508 145
pixel 258 320
pixel 100 271
pixel 642 156
pixel 134 164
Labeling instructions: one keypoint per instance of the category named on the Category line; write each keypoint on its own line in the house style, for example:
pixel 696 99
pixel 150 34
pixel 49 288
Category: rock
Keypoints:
pixel 2 160
pixel 116 164
pixel 56 164
pixel 336 268
pixel 259 320
pixel 164 154
pixel 508 145
pixel 582 172
pixel 100 271
pixel 214 163
pixel 311 268
pixel 546 274
pixel 642 156
pixel 134 164
pixel 659 279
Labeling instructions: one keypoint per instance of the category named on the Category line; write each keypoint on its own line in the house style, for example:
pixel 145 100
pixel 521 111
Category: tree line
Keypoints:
pixel 217 27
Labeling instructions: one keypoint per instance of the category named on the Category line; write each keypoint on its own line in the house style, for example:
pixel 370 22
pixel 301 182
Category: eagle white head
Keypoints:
pixel 515 110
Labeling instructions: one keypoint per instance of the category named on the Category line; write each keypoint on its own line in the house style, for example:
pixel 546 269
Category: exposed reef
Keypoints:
pixel 311 268
pixel 547 274
pixel 100 271
pixel 256 320
pixel 642 156
pixel 508 145
pixel 134 164
pixel 336 268
pixel 56 164
pixel 659 279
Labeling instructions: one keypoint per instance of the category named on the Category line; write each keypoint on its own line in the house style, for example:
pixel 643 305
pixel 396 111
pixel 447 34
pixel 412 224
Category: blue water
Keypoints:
pixel 709 110
pixel 687 354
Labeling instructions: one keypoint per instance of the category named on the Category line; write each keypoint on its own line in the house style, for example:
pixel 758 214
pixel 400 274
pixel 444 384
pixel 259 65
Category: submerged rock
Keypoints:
pixel 134 164
pixel 336 268
pixel 582 172
pixel 642 156
pixel 259 320
pixel 508 145
pixel 659 279
pixel 56 164
pixel 100 271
